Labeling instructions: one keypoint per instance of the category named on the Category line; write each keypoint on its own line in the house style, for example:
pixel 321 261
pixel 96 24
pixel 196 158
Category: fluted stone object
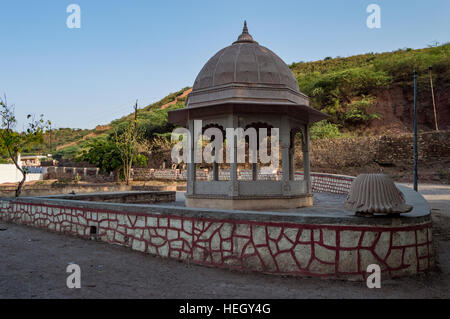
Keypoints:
pixel 375 194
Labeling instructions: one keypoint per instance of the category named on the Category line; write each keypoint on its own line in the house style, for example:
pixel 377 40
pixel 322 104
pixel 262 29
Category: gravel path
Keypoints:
pixel 34 262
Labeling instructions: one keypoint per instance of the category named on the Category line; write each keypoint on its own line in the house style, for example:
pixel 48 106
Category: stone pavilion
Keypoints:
pixel 247 85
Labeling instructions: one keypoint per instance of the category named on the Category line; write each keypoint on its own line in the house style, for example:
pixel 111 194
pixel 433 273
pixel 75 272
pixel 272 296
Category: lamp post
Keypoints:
pixel 415 131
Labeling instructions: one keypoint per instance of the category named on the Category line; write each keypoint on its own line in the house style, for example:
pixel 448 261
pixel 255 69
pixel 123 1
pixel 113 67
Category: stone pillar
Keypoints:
pixel 254 171
pixel 292 157
pixel 215 170
pixel 191 169
pixel 285 143
pixel 234 185
pixel 306 166
pixel 254 153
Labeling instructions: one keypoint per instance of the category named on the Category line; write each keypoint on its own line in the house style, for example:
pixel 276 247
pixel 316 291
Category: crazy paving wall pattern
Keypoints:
pixel 277 248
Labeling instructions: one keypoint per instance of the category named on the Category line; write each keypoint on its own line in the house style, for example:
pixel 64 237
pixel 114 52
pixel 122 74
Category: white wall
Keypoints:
pixel 10 174
pixel 34 177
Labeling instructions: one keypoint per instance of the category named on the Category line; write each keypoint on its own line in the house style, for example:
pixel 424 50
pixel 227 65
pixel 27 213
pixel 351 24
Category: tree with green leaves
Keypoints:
pixel 115 154
pixel 103 154
pixel 12 143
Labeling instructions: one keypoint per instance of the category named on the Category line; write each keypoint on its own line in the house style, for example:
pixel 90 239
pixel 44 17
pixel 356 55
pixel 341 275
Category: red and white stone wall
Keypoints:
pixel 291 248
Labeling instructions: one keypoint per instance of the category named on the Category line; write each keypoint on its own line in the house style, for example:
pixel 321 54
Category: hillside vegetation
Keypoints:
pixel 348 88
pixel 363 94
pixel 151 121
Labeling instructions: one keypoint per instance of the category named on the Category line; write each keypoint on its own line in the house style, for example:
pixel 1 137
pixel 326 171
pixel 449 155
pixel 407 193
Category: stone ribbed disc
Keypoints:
pixel 376 193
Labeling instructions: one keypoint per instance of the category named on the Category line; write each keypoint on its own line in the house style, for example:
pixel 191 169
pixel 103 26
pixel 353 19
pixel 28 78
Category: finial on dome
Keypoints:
pixel 245 30
pixel 245 36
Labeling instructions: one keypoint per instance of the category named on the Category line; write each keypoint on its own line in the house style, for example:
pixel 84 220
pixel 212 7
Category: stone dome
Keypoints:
pixel 245 72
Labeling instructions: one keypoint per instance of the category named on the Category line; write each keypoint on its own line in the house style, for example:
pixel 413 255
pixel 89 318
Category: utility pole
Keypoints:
pixel 135 111
pixel 415 132
pixel 135 116
pixel 133 141
pixel 50 133
pixel 432 95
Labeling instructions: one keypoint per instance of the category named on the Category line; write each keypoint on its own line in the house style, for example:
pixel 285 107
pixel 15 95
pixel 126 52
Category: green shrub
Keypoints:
pixel 334 92
pixel 357 111
pixel 325 129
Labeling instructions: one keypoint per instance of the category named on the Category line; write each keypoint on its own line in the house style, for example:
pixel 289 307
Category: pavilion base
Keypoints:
pixel 249 203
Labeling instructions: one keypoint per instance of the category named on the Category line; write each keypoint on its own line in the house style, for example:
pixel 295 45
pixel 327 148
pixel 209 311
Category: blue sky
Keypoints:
pixel 136 49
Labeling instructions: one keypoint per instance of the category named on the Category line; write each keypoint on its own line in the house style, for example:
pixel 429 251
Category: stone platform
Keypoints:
pixel 249 202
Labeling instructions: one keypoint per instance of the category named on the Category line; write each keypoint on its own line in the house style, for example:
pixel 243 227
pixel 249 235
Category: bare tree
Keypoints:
pixel 127 144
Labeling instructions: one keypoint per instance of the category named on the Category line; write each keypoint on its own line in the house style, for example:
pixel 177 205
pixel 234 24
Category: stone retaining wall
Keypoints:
pixel 282 244
pixel 83 173
pixel 380 150
pixel 269 247
pixel 54 189
pixel 133 197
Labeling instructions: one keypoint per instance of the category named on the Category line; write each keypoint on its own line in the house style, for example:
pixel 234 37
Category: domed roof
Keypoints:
pixel 245 72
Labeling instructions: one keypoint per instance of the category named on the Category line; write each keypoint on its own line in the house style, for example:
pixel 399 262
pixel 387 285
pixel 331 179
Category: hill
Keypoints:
pixel 151 120
pixel 373 93
pixel 367 94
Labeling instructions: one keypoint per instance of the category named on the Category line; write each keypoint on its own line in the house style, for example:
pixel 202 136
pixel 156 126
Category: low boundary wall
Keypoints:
pixel 129 197
pixel 308 242
pixel 10 174
pixel 330 183
pixel 83 173
pixel 44 190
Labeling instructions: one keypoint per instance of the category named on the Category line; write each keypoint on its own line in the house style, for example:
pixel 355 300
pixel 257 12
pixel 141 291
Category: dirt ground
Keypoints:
pixel 33 264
